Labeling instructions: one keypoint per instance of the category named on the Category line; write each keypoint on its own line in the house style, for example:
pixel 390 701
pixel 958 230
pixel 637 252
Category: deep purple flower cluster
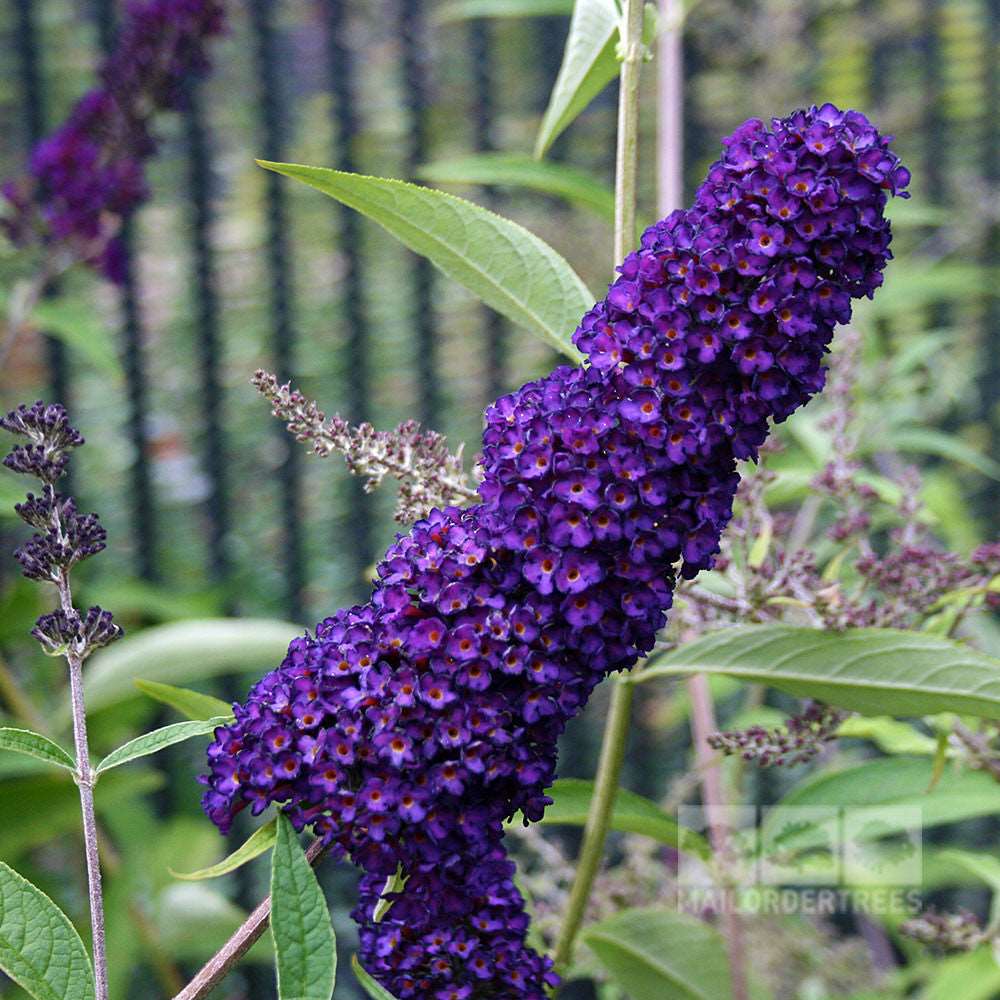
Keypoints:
pixel 88 176
pixel 408 729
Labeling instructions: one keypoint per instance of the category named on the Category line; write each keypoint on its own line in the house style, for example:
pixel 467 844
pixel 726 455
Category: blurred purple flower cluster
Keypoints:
pixel 406 730
pixel 88 176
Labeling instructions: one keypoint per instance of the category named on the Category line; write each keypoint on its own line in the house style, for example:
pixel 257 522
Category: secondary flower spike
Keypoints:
pixel 88 176
pixel 406 730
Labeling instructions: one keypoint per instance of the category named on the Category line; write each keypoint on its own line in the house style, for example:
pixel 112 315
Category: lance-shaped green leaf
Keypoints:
pixel 510 269
pixel 986 868
pixel 883 797
pixel 375 990
pixel 875 671
pixel 588 67
pixel 928 441
pixel 972 976
pixel 31 744
pixel 71 318
pixel 193 704
pixel 889 735
pixel 632 813
pixel 184 651
pixel 39 948
pixel 261 840
pixel 47 805
pixel 589 64
pixel 157 740
pixel 304 945
pixel 656 954
pixel 464 10
pixel 515 170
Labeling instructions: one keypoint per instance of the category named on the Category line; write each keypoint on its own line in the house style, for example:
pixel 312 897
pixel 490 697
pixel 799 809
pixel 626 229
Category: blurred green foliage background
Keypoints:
pixel 426 84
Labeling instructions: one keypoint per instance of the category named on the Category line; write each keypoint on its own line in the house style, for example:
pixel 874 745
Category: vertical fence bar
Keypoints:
pixel 359 538
pixel 207 329
pixel 140 487
pixel 933 167
pixel 413 39
pixel 934 164
pixel 551 31
pixel 35 124
pixel 990 343
pixel 272 114
pixel 495 332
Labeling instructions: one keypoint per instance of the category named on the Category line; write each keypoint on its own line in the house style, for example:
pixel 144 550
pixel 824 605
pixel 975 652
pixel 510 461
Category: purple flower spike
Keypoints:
pixel 488 627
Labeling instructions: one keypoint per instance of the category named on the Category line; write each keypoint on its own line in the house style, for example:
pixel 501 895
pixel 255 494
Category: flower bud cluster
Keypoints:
pixel 405 731
pixel 60 633
pixel 50 440
pixel 800 739
pixel 63 537
pixel 945 932
pixel 88 176
pixel 429 475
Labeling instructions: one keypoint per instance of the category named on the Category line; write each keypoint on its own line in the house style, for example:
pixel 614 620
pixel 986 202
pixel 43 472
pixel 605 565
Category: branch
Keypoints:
pixel 221 964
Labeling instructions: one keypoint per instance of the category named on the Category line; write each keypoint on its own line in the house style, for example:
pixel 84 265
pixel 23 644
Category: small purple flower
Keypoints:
pixel 765 239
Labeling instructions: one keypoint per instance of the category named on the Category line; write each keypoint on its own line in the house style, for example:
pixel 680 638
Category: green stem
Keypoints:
pixel 616 728
pixel 598 818
pixel 627 159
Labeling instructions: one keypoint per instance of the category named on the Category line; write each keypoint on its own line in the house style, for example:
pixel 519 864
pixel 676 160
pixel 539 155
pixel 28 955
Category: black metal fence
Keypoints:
pixel 392 88
pixel 230 268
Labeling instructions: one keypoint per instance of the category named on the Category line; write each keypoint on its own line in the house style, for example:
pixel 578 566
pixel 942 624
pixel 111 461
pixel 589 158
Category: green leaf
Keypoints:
pixel 193 921
pixel 868 789
pixel 656 954
pixel 157 603
pixel 916 213
pixel 632 814
pixel 193 704
pixel 515 170
pixel 184 651
pixel 875 671
pixel 889 735
pixel 261 840
pixel 157 740
pixel 974 976
pixel 73 321
pixel 304 945
pixel 464 10
pixel 986 868
pixel 39 948
pixel 375 990
pixel 589 64
pixel 915 287
pixel 12 491
pixel 47 806
pixel 35 745
pixel 927 441
pixel 510 269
